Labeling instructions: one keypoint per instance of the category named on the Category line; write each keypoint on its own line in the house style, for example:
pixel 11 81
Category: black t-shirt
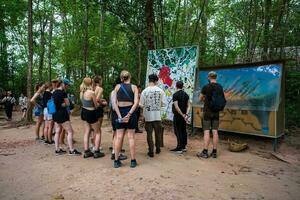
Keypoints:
pixel 182 98
pixel 46 97
pixel 59 96
pixel 207 92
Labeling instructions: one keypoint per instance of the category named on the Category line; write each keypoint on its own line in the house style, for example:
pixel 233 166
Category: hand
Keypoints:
pixel 126 118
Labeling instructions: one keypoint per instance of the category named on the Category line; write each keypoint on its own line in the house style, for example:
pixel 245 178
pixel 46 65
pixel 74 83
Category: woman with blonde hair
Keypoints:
pixel 125 102
pixel 89 116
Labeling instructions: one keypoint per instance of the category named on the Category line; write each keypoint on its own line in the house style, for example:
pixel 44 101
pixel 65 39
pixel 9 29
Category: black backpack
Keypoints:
pixel 217 102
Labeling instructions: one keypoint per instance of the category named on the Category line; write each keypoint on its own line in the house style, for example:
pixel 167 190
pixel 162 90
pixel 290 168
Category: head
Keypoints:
pixel 9 93
pixel 125 76
pixel 153 78
pixel 87 84
pixel 48 86
pixel 212 76
pixel 67 83
pixel 59 84
pixel 98 80
pixel 39 86
pixel 179 85
pixel 117 81
pixel 54 83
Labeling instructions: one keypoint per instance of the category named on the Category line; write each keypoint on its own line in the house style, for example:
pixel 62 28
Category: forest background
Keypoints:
pixel 45 39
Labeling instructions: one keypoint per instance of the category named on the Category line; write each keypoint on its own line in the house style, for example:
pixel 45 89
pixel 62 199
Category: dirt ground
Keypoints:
pixel 30 169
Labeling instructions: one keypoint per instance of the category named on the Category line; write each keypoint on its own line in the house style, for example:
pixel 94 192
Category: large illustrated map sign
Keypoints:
pixel 172 65
pixel 255 89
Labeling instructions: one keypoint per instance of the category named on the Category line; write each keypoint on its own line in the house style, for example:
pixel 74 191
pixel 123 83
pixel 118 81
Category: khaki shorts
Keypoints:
pixel 210 124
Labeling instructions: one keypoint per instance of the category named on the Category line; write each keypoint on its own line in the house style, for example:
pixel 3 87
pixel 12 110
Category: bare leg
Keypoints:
pixel 57 136
pixel 118 142
pixel 131 139
pixel 87 130
pixel 62 136
pixel 67 126
pixel 50 127
pixel 97 138
pixel 215 139
pixel 206 139
pixel 46 130
pixel 38 124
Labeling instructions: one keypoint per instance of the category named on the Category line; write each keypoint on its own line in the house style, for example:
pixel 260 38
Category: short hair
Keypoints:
pixel 117 81
pixel 212 74
pixel 125 75
pixel 153 78
pixel 179 84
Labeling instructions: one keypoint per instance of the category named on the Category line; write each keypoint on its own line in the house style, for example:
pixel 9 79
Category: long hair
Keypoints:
pixel 125 75
pixel 87 84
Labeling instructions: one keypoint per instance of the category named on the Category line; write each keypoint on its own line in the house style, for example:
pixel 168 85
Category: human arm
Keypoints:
pixel 114 101
pixel 142 100
pixel 135 104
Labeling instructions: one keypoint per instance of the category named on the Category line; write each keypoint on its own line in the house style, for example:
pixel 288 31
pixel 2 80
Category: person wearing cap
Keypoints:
pixel 181 109
pixel 62 120
pixel 8 102
pixel 210 118
pixel 152 101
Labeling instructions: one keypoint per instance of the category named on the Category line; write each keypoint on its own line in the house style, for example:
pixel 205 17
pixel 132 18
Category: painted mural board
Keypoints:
pixel 253 94
pixel 172 65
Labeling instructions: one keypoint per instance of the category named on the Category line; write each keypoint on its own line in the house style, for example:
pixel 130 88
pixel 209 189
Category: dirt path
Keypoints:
pixel 30 170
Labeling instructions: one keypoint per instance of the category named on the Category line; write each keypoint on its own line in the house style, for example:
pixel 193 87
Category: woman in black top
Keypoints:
pixel 125 104
pixel 62 120
pixel 47 116
pixel 37 100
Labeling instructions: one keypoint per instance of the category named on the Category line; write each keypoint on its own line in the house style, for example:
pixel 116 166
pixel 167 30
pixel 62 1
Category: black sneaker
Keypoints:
pixel 213 154
pixel 46 142
pixel 43 138
pixel 110 148
pixel 112 156
pixel 74 153
pixel 157 151
pixel 122 156
pixel 176 149
pixel 60 152
pixel 150 154
pixel 87 154
pixel 133 163
pixel 202 155
pixel 117 163
pixel 98 154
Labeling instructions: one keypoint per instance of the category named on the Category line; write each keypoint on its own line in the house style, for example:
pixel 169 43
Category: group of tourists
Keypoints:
pixel 52 108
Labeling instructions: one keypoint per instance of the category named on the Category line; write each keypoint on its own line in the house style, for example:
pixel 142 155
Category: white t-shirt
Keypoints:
pixel 152 100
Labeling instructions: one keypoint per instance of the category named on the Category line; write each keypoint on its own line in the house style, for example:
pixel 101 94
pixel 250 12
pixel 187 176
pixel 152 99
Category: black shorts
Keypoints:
pixel 61 116
pixel 89 116
pixel 99 112
pixel 132 121
pixel 114 117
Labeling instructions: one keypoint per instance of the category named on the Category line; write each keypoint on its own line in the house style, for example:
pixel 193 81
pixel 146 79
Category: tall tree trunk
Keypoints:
pixel 42 49
pixel 162 33
pixel 50 47
pixel 30 61
pixel 149 21
pixel 176 22
pixel 266 33
pixel 203 36
pixel 86 33
pixel 139 52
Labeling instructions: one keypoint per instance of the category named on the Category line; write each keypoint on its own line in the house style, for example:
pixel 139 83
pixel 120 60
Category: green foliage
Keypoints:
pixel 292 98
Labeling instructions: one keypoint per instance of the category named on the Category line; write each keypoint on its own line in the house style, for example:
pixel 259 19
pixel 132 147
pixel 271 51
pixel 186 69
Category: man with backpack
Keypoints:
pixel 212 95
pixel 8 102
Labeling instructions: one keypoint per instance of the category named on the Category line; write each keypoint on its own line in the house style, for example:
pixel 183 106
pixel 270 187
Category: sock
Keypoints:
pixel 214 150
